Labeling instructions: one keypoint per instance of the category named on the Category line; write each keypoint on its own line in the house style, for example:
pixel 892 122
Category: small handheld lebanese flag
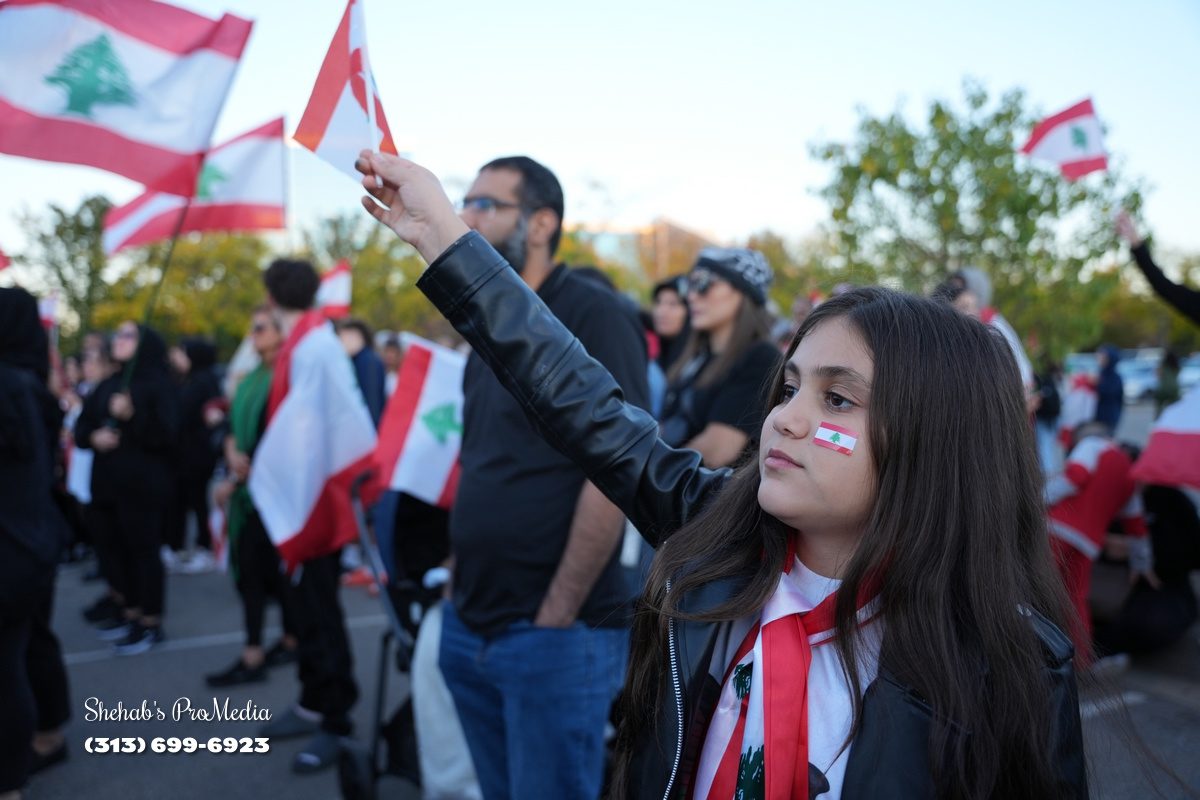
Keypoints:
pixel 835 437
pixel 48 310
pixel 1172 456
pixel 421 429
pixel 241 188
pixel 337 124
pixel 333 295
pixel 1073 139
pixel 319 439
pixel 132 87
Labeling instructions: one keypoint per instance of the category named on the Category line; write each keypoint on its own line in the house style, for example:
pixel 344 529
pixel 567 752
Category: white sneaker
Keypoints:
pixel 200 562
pixel 169 559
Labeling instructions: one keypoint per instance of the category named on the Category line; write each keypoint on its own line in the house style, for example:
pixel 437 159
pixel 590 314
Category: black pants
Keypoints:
pixel 24 584
pixel 47 673
pixel 132 530
pixel 326 666
pixel 260 578
pixel 16 698
pixel 191 497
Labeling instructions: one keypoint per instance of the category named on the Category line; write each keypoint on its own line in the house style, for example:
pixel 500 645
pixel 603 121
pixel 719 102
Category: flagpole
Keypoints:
pixel 289 216
pixel 127 378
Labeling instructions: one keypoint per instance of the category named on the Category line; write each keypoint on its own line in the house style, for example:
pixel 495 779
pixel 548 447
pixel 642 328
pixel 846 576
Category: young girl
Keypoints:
pixel 868 608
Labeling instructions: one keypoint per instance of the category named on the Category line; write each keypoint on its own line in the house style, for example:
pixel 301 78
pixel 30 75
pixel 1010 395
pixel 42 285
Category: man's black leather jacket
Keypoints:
pixel 578 407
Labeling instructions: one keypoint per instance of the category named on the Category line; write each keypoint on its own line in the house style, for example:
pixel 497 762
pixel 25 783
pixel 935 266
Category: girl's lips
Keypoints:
pixel 777 459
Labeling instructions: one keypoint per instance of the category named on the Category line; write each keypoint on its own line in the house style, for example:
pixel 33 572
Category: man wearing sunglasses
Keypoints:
pixel 535 641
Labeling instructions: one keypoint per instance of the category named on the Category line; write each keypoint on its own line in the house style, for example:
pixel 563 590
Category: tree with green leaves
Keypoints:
pixel 213 283
pixel 913 202
pixel 65 249
pixel 92 74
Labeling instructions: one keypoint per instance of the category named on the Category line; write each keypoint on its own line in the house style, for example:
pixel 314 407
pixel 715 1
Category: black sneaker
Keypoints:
pixel 102 609
pixel 113 628
pixel 140 639
pixel 280 654
pixel 237 674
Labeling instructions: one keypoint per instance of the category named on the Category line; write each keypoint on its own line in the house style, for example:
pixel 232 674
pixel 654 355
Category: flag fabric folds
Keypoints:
pixel 336 124
pixel 133 87
pixel 319 439
pixel 242 187
pixel 421 430
pixel 333 296
pixel 1073 139
pixel 1172 456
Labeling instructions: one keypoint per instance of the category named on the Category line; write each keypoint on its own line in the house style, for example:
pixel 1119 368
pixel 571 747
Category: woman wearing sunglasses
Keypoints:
pixel 714 394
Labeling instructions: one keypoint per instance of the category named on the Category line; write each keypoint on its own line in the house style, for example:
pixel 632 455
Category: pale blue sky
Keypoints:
pixel 699 111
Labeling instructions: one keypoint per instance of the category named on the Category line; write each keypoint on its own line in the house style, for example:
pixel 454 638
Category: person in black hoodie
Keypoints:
pixel 131 421
pixel 195 360
pixel 32 533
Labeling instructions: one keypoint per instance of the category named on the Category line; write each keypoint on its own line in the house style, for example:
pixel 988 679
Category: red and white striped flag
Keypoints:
pixel 421 430
pixel 333 295
pixel 319 439
pixel 4 261
pixel 242 187
pixel 1172 456
pixel 1073 139
pixel 132 87
pixel 337 124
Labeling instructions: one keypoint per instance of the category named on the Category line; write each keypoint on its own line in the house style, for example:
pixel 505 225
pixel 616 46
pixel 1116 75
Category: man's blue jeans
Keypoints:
pixel 534 703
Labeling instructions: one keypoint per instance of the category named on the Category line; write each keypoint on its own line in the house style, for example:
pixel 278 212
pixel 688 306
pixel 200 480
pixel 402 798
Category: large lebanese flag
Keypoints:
pixel 1172 456
pixel 333 295
pixel 319 439
pixel 242 187
pixel 133 87
pixel 336 125
pixel 421 430
pixel 1073 139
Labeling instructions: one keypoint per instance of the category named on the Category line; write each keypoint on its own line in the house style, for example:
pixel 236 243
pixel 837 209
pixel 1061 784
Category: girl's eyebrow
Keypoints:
pixel 831 372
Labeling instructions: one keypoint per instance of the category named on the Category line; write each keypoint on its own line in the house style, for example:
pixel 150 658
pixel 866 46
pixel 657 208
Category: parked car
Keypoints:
pixel 1080 363
pixel 1189 372
pixel 1140 379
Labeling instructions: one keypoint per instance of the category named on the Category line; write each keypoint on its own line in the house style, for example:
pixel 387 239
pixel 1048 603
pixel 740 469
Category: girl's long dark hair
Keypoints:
pixel 957 535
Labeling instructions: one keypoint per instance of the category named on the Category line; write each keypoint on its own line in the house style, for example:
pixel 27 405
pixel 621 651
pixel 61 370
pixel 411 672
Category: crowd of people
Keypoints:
pixel 848 510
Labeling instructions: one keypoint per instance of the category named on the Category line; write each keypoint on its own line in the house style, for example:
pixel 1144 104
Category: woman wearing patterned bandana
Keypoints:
pixel 713 403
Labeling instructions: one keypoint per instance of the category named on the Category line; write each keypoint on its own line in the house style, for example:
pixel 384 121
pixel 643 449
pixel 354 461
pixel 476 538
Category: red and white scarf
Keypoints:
pixel 784 698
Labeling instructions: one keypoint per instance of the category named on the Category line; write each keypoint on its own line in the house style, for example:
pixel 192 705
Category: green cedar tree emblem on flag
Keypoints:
pixel 752 776
pixel 93 75
pixel 442 421
pixel 741 680
pixel 836 438
pixel 210 176
pixel 1079 137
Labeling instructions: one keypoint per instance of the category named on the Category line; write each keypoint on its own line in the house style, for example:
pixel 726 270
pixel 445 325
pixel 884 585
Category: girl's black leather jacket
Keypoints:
pixel 579 409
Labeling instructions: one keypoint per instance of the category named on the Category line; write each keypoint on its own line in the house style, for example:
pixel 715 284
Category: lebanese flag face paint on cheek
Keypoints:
pixel 835 437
